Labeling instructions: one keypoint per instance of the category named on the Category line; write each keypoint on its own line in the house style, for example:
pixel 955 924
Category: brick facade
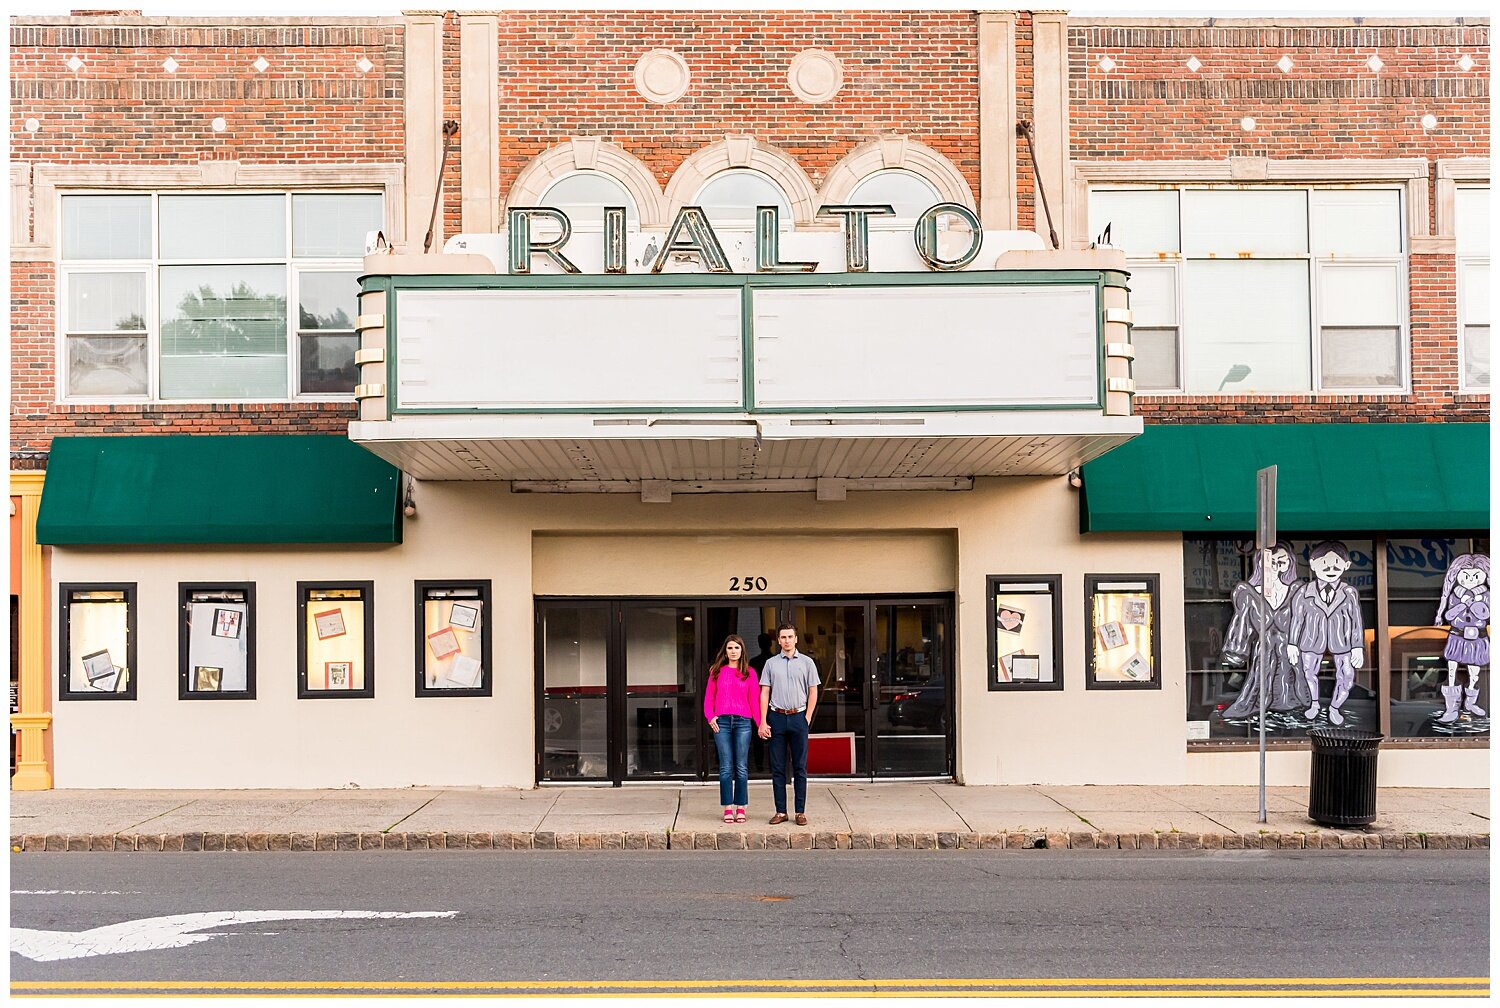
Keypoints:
pixel 312 104
pixel 566 74
pixel 1330 103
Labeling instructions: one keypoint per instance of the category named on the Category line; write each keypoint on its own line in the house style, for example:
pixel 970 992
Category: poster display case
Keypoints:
pixel 216 642
pixel 1025 631
pixel 96 641
pixel 1120 618
pixel 453 638
pixel 336 642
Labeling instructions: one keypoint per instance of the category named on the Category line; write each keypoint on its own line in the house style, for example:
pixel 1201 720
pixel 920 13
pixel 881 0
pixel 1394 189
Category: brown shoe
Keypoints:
pixel 801 819
pixel 778 819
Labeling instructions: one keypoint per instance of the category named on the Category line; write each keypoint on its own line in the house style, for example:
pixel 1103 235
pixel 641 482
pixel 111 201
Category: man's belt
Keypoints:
pixel 788 710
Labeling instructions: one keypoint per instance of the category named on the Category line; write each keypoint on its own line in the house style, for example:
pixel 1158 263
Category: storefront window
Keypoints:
pixel 336 653
pixel 1439 642
pixel 1317 619
pixel 1122 631
pixel 574 710
pixel 217 642
pixel 1025 634
pixel 97 625
pixel 453 651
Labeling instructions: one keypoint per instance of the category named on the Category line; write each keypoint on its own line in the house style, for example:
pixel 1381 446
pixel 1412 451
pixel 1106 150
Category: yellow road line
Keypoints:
pixel 1165 992
pixel 773 984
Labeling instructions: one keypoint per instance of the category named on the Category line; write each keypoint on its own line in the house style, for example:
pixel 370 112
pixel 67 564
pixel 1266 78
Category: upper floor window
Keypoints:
pixel 730 198
pixel 1254 290
pixel 908 193
pixel 1472 231
pixel 583 197
pixel 188 296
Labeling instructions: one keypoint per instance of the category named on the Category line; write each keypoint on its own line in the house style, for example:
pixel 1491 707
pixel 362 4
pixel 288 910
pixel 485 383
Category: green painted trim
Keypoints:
pixel 747 348
pixel 502 281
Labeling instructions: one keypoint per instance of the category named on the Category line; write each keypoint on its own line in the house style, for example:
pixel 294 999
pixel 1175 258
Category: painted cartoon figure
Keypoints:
pixel 1465 608
pixel 1287 689
pixel 1326 619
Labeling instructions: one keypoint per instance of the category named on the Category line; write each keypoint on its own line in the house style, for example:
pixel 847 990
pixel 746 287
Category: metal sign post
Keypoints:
pixel 1265 542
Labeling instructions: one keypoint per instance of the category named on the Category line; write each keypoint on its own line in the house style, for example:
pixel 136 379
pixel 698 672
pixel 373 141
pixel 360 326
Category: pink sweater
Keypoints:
pixel 726 693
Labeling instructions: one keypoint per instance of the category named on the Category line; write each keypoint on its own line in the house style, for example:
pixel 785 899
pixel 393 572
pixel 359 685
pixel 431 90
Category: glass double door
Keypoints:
pixel 620 685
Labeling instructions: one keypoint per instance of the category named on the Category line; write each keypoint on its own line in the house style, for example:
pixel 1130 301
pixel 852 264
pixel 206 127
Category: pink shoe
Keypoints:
pixel 729 815
pixel 739 815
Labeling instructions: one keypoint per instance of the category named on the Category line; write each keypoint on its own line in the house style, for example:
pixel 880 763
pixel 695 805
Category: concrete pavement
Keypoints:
pixel 841 815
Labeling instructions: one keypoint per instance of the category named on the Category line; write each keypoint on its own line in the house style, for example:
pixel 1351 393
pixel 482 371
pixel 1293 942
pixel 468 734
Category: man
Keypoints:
pixel 1326 618
pixel 788 697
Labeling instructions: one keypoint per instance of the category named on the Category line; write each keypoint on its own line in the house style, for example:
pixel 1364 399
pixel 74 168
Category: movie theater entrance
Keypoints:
pixel 620 684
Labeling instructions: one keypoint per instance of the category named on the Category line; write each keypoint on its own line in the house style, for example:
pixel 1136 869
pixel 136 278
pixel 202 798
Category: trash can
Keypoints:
pixel 1342 790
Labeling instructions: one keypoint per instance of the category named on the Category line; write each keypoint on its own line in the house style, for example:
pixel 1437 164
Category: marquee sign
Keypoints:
pixel 691 234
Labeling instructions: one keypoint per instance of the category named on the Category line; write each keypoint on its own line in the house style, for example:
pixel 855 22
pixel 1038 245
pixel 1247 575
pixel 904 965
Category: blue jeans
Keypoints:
pixel 788 733
pixel 733 742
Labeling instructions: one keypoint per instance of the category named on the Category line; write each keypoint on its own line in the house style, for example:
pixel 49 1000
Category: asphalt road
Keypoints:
pixel 570 917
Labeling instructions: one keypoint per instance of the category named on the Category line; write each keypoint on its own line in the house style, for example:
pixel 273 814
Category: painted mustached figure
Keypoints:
pixel 1326 620
pixel 1465 608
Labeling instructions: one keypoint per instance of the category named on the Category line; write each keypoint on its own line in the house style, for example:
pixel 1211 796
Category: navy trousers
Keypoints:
pixel 788 737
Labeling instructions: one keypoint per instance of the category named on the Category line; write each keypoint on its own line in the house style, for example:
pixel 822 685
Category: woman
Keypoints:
pixel 731 702
pixel 1288 690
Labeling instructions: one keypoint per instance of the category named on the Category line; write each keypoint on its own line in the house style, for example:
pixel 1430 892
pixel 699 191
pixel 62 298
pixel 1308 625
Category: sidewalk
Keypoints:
pixel 841 816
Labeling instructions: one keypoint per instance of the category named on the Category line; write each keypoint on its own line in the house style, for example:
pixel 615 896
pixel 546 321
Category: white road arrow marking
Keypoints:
pixel 175 931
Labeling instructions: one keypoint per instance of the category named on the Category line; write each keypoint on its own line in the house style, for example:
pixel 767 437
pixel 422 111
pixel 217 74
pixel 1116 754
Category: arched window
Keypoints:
pixel 730 198
pixel 907 192
pixel 583 197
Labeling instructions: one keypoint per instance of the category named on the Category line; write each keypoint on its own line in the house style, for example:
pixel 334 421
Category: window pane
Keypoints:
pixel 334 225
pixel 583 198
pixel 1359 295
pixel 1155 365
pixel 1023 635
pixel 454 630
pixel 1367 357
pixel 1427 700
pixel 1474 279
pixel 908 194
pixel 98 638
pixel 335 640
pixel 1471 211
pixel 1477 356
pixel 223 227
pixel 1246 327
pixel 1229 222
pixel 1357 222
pixel 218 642
pixel 730 199
pixel 574 706
pixel 1141 221
pixel 107 366
pixel 1153 295
pixel 327 300
pixel 106 302
pixel 223 332
pixel 325 363
pixel 106 227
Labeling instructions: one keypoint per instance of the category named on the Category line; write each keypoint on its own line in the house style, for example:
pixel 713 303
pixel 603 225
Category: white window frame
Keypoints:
pixel 151 267
pixel 1176 261
pixel 1461 264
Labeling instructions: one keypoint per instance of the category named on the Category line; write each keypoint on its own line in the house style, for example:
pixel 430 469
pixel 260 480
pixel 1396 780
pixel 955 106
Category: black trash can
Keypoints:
pixel 1342 790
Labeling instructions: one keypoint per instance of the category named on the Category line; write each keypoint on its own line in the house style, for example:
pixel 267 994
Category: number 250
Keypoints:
pixel 747 584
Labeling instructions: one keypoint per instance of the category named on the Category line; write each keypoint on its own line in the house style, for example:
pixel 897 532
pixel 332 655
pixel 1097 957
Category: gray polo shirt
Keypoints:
pixel 789 679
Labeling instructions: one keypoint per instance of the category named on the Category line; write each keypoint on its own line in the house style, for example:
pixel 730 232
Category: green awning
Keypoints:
pixel 1400 477
pixel 239 488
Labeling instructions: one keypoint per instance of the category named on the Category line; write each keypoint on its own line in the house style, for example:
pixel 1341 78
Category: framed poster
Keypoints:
pixel 465 671
pixel 444 643
pixel 207 678
pixel 98 666
pixel 1025 635
pixel 465 616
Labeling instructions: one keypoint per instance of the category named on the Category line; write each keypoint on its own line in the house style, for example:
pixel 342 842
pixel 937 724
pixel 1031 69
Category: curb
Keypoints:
pixel 747 840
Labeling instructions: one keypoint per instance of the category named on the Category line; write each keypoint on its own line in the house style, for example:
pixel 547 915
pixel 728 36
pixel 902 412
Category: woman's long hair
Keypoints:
pixel 1474 561
pixel 722 658
pixel 1288 576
